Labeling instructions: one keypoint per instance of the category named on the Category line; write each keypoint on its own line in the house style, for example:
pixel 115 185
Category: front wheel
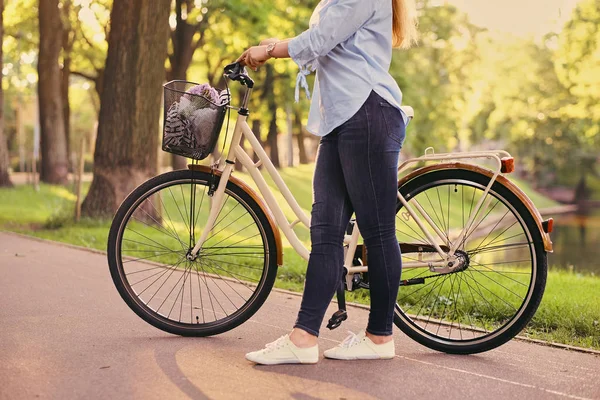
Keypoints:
pixel 498 281
pixel 150 263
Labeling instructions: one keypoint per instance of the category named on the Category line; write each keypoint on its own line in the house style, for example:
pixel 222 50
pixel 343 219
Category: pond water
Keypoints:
pixel 576 243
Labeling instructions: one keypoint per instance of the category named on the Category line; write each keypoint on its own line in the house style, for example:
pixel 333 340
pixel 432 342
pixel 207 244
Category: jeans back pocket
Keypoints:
pixel 396 130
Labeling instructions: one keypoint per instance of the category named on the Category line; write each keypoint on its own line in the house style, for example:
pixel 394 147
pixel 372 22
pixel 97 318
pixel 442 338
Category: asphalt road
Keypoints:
pixel 66 334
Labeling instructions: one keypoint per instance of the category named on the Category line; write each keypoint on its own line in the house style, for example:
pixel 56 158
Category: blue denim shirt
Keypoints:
pixel 349 44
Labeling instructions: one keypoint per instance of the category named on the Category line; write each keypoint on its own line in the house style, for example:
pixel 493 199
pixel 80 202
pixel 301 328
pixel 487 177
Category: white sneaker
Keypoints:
pixel 360 347
pixel 283 351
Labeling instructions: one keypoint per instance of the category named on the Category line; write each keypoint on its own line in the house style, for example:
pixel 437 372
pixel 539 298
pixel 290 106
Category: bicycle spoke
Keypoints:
pixel 473 304
pixel 210 295
pixel 169 270
pixel 147 258
pixel 154 227
pixel 494 249
pixel 199 207
pixel 240 241
pixel 222 229
pixel 164 207
pixel 218 287
pixel 237 265
pixel 211 265
pixel 183 219
pixel 493 229
pixel 467 234
pixel 200 293
pixel 497 283
pixel 159 246
pixel 433 209
pixel 437 298
pixel 446 303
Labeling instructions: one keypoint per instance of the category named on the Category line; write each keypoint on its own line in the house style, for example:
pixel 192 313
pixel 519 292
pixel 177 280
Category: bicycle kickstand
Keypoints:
pixel 340 315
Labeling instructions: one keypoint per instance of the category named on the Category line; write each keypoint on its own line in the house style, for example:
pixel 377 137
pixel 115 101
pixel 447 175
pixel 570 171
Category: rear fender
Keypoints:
pixel 500 179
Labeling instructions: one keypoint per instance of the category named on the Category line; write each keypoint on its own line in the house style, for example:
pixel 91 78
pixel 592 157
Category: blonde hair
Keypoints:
pixel 404 23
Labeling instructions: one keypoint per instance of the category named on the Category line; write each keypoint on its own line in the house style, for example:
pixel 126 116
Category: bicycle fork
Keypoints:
pixel 215 209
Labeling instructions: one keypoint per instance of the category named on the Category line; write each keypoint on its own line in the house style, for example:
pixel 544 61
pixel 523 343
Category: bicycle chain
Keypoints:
pixel 426 277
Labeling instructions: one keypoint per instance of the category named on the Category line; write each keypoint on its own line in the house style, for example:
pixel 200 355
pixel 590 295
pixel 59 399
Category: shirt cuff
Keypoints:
pixel 299 51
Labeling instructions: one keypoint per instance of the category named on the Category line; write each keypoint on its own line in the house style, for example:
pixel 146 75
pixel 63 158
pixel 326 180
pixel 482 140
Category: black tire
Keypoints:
pixel 265 270
pixel 488 339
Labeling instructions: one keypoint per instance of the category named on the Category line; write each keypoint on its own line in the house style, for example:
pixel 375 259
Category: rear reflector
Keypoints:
pixel 548 225
pixel 508 165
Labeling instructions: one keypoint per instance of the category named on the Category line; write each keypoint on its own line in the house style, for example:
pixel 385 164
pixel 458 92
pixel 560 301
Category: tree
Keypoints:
pixel 436 77
pixel 186 37
pixel 54 167
pixel 269 98
pixel 578 59
pixel 189 33
pixel 300 135
pixel 89 43
pixel 127 142
pixel 4 159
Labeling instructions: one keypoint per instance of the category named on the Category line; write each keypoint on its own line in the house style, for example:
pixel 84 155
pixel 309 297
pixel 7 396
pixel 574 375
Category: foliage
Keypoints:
pixel 436 78
pixel 471 88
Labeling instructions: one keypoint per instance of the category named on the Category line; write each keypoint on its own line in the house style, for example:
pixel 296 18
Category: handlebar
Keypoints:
pixel 237 72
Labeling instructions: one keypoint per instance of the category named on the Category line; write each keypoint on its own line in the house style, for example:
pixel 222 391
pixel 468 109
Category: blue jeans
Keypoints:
pixel 356 172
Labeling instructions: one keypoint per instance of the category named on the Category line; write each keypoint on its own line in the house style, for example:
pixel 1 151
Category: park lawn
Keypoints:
pixel 569 313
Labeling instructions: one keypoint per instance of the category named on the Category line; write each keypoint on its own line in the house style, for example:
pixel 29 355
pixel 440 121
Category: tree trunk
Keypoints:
pixel 127 143
pixel 67 45
pixel 272 139
pixel 256 127
pixel 178 162
pixel 4 158
pixel 303 158
pixel 269 96
pixel 55 160
pixel 64 92
pixel 238 163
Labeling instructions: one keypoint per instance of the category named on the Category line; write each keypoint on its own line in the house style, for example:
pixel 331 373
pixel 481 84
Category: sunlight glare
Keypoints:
pixel 518 17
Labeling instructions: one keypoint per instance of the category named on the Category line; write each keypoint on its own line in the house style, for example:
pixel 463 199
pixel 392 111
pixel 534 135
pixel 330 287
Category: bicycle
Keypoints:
pixel 196 252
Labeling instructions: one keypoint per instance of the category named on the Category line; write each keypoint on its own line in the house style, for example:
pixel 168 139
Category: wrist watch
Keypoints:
pixel 270 48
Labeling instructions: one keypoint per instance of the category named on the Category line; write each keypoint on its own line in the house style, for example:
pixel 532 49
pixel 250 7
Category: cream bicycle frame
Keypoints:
pixel 416 211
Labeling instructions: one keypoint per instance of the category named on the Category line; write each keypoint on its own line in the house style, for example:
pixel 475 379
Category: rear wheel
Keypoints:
pixel 149 255
pixel 498 281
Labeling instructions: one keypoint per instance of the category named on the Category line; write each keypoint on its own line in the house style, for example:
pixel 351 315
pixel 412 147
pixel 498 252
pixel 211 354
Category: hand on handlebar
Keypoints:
pixel 254 57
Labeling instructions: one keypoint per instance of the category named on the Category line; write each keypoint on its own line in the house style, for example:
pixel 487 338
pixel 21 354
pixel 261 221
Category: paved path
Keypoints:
pixel 66 334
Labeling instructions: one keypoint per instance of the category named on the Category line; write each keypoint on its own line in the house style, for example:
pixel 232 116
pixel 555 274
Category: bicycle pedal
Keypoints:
pixel 337 318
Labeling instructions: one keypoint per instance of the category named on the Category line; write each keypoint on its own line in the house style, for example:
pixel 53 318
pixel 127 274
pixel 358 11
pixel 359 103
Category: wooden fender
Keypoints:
pixel 255 197
pixel 501 179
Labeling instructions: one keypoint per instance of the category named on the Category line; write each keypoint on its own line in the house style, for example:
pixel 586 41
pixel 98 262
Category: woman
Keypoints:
pixel 356 111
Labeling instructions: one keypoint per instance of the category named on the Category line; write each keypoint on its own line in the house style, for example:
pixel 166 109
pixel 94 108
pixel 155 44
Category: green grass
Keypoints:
pixel 570 310
pixel 24 206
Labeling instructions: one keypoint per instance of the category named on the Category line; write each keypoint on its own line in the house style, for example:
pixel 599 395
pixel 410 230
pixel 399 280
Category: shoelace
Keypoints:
pixel 350 341
pixel 276 344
